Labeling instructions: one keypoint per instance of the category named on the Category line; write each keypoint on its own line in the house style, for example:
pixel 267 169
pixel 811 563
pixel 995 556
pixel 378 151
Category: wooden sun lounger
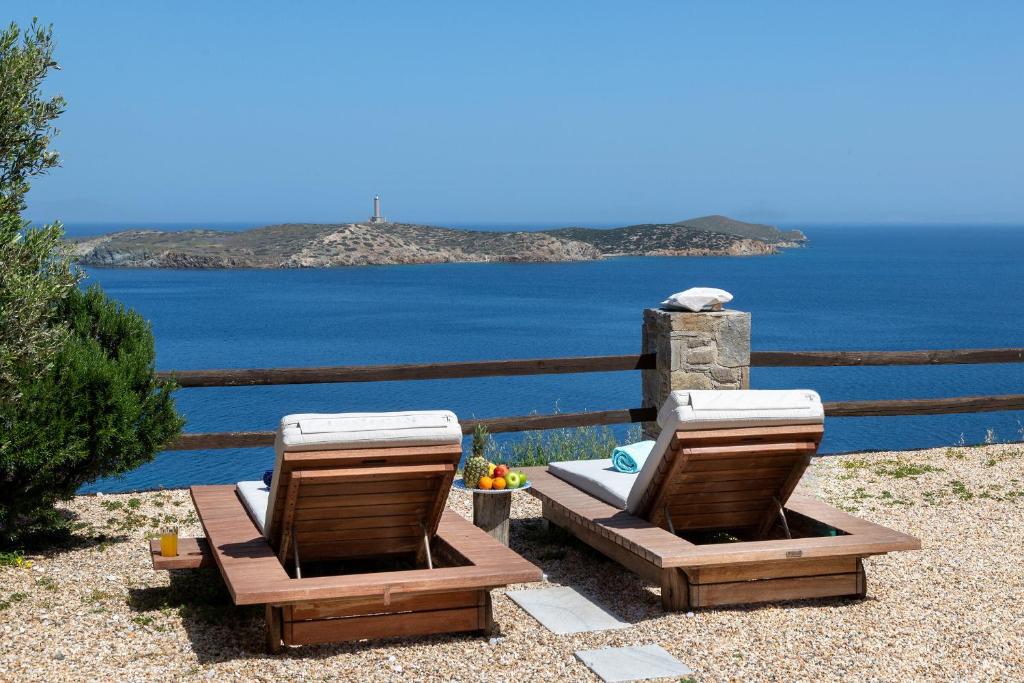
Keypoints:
pixel 728 480
pixel 340 506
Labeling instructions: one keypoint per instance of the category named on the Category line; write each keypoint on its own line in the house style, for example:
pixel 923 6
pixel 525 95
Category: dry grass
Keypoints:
pixel 96 610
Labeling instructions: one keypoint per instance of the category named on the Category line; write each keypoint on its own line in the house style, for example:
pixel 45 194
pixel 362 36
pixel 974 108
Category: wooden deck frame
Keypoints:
pixel 324 609
pixel 690 486
pixel 341 506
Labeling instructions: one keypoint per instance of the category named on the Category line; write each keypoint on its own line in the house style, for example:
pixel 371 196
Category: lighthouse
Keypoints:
pixel 376 217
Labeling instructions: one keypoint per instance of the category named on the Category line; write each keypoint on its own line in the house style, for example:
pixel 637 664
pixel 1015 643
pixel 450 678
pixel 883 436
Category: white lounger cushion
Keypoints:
pixel 350 431
pixel 255 495
pixel 598 478
pixel 693 410
pixel 315 432
pixel 732 409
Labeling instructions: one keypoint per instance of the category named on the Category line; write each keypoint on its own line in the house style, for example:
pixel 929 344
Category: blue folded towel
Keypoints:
pixel 630 458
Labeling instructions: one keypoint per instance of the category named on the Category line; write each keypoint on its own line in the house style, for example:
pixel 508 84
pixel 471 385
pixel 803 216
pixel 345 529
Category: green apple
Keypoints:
pixel 514 480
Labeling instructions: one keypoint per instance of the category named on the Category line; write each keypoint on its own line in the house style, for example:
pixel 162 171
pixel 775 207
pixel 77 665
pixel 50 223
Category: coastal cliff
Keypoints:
pixel 356 244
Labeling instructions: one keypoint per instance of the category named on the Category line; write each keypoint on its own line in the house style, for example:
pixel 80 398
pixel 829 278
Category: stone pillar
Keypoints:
pixel 707 350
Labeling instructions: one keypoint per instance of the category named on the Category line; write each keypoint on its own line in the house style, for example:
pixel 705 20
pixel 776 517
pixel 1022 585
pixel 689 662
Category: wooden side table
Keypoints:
pixel 491 513
pixel 491 509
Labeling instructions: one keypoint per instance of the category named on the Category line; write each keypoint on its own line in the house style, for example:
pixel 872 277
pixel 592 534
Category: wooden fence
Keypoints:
pixel 558 366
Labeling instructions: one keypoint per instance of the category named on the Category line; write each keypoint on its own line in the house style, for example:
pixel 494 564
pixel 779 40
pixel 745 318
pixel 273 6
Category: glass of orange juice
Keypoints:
pixel 169 541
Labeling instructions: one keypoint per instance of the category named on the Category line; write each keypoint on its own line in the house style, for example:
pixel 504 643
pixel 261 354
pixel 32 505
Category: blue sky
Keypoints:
pixel 541 113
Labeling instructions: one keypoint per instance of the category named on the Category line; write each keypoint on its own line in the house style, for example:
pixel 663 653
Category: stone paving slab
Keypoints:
pixel 620 664
pixel 564 610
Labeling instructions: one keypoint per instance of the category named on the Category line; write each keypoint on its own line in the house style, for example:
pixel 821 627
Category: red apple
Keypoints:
pixel 500 471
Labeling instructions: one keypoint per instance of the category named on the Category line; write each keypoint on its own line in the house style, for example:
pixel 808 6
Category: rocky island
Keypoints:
pixel 358 244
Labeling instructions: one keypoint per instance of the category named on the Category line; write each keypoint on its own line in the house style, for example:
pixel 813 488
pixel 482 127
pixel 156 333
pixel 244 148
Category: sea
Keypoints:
pixel 850 288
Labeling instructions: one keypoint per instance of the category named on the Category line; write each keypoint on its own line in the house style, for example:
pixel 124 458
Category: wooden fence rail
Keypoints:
pixel 558 366
pixel 921 406
pixel 389 373
pixel 767 359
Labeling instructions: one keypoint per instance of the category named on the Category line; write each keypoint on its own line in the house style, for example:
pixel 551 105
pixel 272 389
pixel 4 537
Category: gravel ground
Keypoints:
pixel 97 611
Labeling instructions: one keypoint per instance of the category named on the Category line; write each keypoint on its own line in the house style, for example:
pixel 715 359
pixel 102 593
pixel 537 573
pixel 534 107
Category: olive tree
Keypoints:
pixel 79 398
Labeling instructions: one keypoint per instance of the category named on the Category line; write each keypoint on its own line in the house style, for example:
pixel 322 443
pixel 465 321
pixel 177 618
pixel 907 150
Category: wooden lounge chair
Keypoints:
pixel 714 476
pixel 345 497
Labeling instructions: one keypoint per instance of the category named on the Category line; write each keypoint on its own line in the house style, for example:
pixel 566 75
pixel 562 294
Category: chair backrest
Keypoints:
pixel 734 478
pixel 342 504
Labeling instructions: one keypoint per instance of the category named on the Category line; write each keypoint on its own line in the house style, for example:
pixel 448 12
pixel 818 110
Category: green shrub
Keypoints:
pixel 543 447
pixel 98 411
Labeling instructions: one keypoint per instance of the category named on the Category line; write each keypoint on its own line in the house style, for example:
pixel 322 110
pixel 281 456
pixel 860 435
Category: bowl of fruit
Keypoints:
pixel 490 478
pixel 482 476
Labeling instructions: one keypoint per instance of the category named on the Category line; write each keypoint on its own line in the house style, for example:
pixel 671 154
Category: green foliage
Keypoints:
pixel 99 411
pixel 35 270
pixel 543 447
pixel 901 470
pixel 961 491
pixel 14 558
pixel 35 276
pixel 481 437
pixel 12 599
pixel 26 116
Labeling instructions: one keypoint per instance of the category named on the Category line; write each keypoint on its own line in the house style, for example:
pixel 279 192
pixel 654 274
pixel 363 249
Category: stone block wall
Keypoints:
pixel 708 350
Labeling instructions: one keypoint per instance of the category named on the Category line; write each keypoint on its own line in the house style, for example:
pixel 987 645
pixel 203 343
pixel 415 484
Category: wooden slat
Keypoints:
pixel 732 475
pixel 786 460
pixel 371 474
pixel 193 553
pixel 770 590
pixel 410 532
pixel 423 498
pixel 360 512
pixel 746 504
pixel 382 626
pixel 773 570
pixel 368 606
pixel 765 359
pixel 358 522
pixel 761 451
pixel 683 497
pixel 755 435
pixel 363 488
pixel 422 371
pixel 716 520
pixel 353 549
pixel 755 486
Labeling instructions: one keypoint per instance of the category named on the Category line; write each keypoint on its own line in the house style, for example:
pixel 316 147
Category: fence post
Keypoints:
pixel 709 350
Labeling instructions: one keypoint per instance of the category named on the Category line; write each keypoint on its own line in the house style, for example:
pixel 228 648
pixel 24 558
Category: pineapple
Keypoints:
pixel 477 465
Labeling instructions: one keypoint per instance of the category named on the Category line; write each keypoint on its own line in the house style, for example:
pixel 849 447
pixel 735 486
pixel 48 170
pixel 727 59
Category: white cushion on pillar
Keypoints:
pixel 697 299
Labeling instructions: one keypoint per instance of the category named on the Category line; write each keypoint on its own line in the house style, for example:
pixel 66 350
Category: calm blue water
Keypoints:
pixel 852 288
